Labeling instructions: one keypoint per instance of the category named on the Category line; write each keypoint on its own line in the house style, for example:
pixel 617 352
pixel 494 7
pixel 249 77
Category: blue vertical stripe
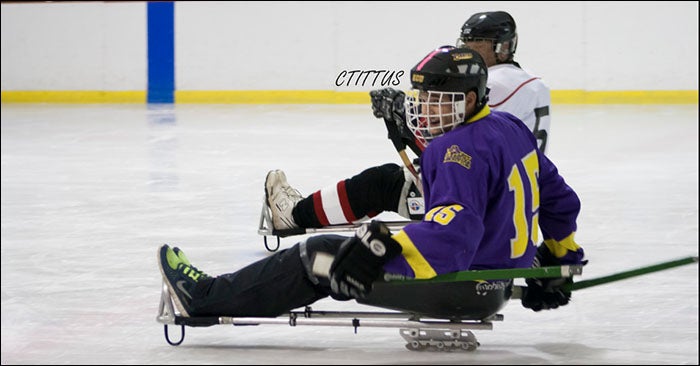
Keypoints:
pixel 161 52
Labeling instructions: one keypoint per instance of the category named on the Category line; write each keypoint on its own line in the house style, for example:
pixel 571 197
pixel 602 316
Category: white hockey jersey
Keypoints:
pixel 527 97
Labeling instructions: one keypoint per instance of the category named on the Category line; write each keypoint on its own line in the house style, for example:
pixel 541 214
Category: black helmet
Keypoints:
pixel 441 82
pixel 497 26
pixel 450 69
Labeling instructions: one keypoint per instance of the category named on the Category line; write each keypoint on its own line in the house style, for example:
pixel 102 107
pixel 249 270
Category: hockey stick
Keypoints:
pixel 633 273
pixel 517 290
pixel 503 274
pixel 409 165
pixel 558 271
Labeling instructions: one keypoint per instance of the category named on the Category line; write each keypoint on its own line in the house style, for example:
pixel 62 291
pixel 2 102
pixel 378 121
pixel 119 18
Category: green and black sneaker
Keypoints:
pixel 180 276
pixel 182 256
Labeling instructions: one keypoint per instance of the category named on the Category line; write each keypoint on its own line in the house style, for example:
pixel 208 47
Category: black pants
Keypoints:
pixel 271 286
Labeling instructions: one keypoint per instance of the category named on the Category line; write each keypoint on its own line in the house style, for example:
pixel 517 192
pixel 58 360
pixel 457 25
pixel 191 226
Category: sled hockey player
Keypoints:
pixel 391 187
pixel 487 187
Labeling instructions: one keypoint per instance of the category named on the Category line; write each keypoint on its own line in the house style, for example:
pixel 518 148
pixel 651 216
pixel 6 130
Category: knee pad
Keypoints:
pixel 325 246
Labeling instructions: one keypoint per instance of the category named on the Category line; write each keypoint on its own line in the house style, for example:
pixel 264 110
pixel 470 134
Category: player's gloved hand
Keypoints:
pixel 360 260
pixel 547 293
pixel 388 104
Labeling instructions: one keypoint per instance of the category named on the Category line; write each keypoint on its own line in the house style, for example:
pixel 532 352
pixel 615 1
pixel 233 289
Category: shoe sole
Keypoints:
pixel 171 290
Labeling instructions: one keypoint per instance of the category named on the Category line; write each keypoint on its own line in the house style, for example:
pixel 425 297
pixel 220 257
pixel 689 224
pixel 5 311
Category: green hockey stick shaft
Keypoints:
pixel 552 272
pixel 518 290
pixel 633 273
pixel 502 274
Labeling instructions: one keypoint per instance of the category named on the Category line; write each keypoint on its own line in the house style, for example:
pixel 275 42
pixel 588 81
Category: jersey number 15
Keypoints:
pixel 524 230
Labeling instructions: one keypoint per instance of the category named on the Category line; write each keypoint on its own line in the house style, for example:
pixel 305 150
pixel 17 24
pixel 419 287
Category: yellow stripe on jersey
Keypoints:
pixel 421 268
pixel 559 248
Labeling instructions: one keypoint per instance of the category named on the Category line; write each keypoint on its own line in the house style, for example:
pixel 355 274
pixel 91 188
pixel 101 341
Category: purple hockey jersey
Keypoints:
pixel 487 188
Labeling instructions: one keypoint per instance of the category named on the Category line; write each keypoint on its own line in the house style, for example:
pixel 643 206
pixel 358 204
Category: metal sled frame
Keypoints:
pixel 265 228
pixel 420 333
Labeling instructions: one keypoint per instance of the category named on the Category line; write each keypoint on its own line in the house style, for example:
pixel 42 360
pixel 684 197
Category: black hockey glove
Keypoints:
pixel 360 259
pixel 546 293
pixel 387 103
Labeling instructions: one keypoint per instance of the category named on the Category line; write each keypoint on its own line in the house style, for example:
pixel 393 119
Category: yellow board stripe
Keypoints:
pixel 74 96
pixel 273 97
pixel 625 97
pixel 421 267
pixel 327 97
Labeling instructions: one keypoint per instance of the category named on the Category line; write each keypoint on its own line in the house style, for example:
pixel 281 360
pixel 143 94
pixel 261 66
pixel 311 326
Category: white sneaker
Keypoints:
pixel 281 198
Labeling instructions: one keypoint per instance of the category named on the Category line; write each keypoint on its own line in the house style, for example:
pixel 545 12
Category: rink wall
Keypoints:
pixel 331 52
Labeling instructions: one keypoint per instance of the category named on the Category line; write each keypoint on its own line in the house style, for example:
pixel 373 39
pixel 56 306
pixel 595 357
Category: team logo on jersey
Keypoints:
pixel 455 155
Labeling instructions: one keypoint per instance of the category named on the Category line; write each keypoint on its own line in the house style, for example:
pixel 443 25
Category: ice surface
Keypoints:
pixel 89 192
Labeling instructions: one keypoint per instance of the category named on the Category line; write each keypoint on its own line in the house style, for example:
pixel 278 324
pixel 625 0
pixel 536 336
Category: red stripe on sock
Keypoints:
pixel 344 202
pixel 318 209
